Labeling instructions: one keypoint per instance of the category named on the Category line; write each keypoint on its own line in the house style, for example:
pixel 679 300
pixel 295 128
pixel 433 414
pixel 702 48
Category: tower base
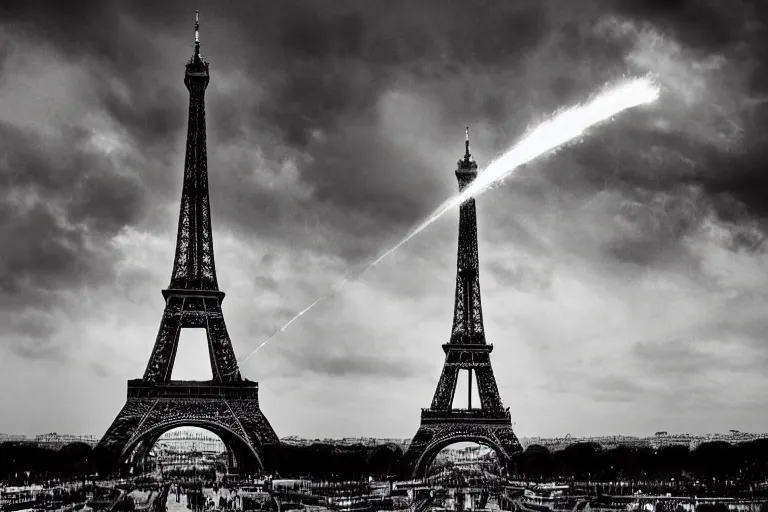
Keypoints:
pixel 442 428
pixel 231 411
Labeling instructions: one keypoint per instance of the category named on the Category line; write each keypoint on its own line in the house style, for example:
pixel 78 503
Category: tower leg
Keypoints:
pixel 469 388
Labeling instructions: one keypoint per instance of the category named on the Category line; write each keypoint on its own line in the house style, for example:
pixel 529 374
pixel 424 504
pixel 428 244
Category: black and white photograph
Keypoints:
pixel 477 255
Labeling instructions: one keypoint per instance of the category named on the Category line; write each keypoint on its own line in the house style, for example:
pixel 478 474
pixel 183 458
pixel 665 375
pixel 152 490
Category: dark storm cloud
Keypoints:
pixel 330 363
pixel 34 331
pixel 656 222
pixel 361 365
pixel 311 79
pixel 68 173
pixel 322 70
pixel 669 200
pixel 75 28
pixel 702 24
pixel 335 126
pixel 150 113
pixel 61 203
pixel 338 59
pixel 669 161
pixel 54 258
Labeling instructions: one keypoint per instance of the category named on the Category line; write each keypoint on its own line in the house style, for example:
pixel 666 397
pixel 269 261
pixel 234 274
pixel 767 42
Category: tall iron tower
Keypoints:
pixel 490 423
pixel 228 405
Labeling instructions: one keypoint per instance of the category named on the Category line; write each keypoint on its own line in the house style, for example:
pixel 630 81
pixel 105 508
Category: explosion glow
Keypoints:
pixel 564 127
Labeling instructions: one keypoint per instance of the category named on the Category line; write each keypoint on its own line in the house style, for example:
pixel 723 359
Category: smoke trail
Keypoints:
pixel 564 127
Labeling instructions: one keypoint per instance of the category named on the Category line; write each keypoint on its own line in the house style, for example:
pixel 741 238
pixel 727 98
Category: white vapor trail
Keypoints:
pixel 562 128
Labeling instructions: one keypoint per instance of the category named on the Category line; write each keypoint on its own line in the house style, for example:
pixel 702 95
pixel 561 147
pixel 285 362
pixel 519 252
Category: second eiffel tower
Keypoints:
pixel 441 424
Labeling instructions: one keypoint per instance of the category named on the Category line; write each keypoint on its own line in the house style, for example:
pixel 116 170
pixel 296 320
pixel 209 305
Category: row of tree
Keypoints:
pixel 23 462
pixel 719 460
pixel 588 461
pixel 332 462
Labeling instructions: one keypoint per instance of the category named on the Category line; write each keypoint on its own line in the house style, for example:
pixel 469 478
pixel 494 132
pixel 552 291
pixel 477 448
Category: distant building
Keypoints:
pixel 663 440
pixel 189 441
pixel 14 438
pixel 203 442
pixel 347 441
pixel 659 440
pixel 57 441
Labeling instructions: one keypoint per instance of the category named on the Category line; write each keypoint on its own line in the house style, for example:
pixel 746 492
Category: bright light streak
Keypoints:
pixel 564 127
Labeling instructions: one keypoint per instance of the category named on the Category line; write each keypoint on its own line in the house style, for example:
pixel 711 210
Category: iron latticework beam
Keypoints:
pixel 441 425
pixel 467 310
pixel 189 312
pixel 228 404
pixel 193 266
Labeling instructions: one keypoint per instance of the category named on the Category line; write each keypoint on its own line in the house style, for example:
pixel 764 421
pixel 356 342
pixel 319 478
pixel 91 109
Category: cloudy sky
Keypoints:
pixel 624 280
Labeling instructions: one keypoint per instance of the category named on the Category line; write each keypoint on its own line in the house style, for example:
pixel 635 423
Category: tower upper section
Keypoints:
pixel 194 267
pixel 467 168
pixel 468 312
pixel 197 68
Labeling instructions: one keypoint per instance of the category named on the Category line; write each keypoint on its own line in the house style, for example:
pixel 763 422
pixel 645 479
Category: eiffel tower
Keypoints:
pixel 441 425
pixel 227 405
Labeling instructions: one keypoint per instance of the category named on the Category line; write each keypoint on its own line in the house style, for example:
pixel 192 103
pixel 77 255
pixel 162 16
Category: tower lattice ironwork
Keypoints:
pixel 228 405
pixel 441 424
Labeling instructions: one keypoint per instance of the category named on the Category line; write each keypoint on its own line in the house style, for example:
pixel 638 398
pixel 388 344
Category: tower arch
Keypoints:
pixel 421 465
pixel 240 453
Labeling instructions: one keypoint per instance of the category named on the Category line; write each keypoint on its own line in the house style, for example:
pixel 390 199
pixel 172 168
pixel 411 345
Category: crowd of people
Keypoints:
pixel 201 496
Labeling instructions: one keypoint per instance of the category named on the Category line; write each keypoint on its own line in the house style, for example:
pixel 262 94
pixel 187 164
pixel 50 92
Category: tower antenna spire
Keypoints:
pixel 197 33
pixel 466 145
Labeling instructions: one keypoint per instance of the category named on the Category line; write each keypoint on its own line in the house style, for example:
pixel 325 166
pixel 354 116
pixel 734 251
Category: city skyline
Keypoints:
pixel 623 279
pixel 190 435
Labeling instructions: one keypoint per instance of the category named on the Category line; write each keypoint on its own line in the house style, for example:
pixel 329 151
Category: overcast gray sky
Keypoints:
pixel 624 279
